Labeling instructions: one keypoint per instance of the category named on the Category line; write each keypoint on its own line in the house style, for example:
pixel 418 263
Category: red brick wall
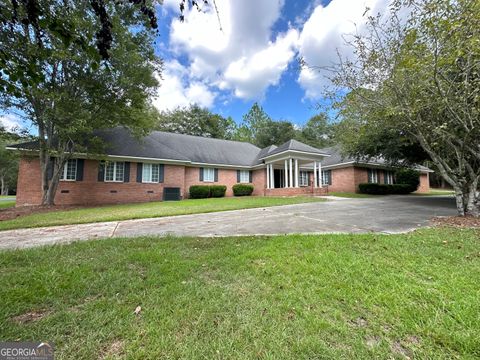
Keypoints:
pixel 424 183
pixel 91 191
pixel 227 177
pixel 306 190
pixel 345 179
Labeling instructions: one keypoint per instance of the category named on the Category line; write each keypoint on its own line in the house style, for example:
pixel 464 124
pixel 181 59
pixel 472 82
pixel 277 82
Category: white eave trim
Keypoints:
pixel 366 164
pixel 296 152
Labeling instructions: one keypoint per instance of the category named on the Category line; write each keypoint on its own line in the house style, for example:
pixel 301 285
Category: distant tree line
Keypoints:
pixel 257 127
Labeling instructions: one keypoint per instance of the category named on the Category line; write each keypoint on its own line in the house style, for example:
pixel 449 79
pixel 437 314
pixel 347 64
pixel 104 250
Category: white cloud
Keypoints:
pixel 11 122
pixel 176 90
pixel 241 56
pixel 323 35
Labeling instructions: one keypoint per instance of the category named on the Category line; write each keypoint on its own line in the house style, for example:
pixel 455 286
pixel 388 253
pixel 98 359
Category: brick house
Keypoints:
pixel 139 170
pixel 344 174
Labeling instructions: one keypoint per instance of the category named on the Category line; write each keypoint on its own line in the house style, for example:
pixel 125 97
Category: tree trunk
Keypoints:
pixel 2 181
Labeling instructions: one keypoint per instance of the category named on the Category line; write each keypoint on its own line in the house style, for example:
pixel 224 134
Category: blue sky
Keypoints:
pixel 254 57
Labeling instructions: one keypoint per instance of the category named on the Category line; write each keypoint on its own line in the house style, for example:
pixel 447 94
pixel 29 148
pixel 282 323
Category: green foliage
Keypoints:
pixel 412 91
pixel 408 177
pixel 384 189
pixel 274 133
pixel 317 132
pixel 75 91
pixel 217 191
pixel 199 192
pixel 242 189
pixel 207 191
pixel 194 120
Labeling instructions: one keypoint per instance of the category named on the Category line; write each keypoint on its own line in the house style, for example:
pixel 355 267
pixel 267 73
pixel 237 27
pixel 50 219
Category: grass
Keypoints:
pixel 435 192
pixel 284 297
pixel 4 204
pixel 147 210
pixel 349 195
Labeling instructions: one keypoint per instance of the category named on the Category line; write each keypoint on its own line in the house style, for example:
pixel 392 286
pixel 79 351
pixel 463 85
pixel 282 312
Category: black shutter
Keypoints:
pixel 216 175
pixel 80 165
pixel 101 171
pixel 329 177
pixel 161 173
pixel 238 176
pixel 126 171
pixel 250 176
pixel 139 172
pixel 201 174
pixel 50 164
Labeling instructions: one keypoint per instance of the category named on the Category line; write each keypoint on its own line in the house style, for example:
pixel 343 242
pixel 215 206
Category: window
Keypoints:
pixel 303 179
pixel 326 177
pixel 388 175
pixel 114 171
pixel 372 176
pixel 151 173
pixel 209 174
pixel 69 170
pixel 244 176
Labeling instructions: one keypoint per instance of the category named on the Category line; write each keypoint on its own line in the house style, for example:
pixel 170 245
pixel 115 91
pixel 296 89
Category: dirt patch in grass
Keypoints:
pixel 15 212
pixel 30 316
pixel 457 221
pixel 113 350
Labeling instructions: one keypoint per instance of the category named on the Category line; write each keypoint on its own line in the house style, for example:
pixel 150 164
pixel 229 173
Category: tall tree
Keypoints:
pixel 8 162
pixel 317 132
pixel 274 133
pixel 417 76
pixel 194 120
pixel 74 90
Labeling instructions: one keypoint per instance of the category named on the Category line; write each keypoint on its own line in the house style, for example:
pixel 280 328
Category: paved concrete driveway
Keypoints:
pixel 390 214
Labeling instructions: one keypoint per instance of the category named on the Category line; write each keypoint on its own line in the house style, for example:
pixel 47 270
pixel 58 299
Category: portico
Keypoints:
pixel 294 166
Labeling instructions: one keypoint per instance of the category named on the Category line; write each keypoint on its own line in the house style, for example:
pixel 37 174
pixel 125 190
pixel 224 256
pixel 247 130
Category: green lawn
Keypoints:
pixel 7 204
pixel 435 192
pixel 349 195
pixel 148 210
pixel 284 297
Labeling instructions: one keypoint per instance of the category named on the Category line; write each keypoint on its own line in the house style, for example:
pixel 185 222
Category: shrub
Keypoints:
pixel 217 191
pixel 408 177
pixel 383 189
pixel 400 189
pixel 374 189
pixel 207 191
pixel 199 191
pixel 242 189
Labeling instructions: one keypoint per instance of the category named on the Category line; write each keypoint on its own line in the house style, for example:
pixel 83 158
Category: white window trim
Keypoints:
pixel 374 173
pixel 388 175
pixel 64 171
pixel 114 172
pixel 151 173
pixel 213 175
pixel 247 172
pixel 300 178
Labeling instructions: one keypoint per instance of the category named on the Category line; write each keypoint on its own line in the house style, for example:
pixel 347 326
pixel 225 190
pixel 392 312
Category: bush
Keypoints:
pixel 408 177
pixel 400 189
pixel 217 191
pixel 374 189
pixel 384 189
pixel 199 191
pixel 207 191
pixel 242 189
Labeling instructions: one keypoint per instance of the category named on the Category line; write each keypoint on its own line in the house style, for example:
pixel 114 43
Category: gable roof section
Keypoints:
pixel 336 159
pixel 294 145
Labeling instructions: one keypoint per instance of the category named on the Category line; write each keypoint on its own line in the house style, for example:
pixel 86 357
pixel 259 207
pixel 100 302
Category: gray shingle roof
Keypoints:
pixel 337 158
pixel 179 147
pixel 295 146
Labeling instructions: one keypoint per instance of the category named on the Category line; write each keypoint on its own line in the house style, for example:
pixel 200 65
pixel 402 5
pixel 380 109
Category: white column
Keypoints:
pixel 272 177
pixel 286 174
pixel 296 173
pixel 290 173
pixel 315 183
pixel 268 176
pixel 320 173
